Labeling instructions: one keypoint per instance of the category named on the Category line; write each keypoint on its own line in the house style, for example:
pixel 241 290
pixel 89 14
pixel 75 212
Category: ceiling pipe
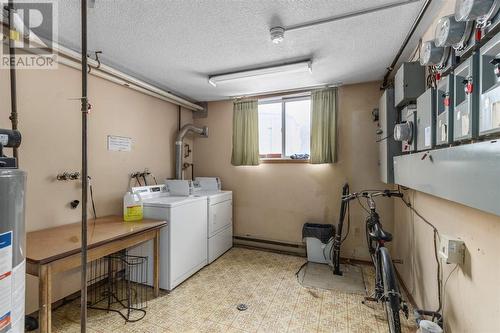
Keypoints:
pixel 348 15
pixel 413 28
pixel 203 131
pixel 73 59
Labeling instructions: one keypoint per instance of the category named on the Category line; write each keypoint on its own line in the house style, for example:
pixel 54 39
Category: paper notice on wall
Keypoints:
pixel 119 143
pixel 427 136
pixel 5 281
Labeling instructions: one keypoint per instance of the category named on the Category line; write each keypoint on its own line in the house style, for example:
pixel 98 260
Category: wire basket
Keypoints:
pixel 118 283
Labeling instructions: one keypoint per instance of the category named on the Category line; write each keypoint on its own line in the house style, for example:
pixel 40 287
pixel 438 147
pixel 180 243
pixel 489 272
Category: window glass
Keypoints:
pixel 270 136
pixel 293 117
pixel 298 127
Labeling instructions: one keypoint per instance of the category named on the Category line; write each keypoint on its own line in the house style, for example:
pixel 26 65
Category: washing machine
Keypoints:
pixel 219 216
pixel 183 241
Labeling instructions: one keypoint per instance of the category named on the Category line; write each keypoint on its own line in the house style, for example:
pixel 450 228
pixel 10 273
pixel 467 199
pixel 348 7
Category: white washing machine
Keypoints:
pixel 220 216
pixel 183 241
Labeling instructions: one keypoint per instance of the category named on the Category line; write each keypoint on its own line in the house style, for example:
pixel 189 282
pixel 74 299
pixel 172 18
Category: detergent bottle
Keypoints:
pixel 132 207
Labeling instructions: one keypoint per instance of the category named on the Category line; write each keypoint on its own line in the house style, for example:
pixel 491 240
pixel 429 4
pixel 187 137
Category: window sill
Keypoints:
pixel 282 160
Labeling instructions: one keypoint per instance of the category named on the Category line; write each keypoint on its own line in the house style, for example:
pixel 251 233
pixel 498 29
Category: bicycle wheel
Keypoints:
pixel 392 299
pixel 392 316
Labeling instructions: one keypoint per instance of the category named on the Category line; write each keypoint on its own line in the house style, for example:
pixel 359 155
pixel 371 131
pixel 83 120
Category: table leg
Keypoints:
pixel 156 264
pixel 45 299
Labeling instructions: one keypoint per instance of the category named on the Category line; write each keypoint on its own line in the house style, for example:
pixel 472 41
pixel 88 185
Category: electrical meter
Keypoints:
pixel 490 23
pixel 465 118
pixel 426 120
pixel 489 106
pixel 450 32
pixel 468 10
pixel 404 131
pixel 444 110
pixel 432 55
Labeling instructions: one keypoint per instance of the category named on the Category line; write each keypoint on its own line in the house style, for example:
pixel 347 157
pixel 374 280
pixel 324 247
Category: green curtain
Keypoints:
pixel 245 133
pixel 323 126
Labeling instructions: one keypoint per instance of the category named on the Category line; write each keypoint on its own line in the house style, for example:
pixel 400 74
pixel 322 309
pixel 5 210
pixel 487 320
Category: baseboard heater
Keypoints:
pixel 258 240
pixel 270 244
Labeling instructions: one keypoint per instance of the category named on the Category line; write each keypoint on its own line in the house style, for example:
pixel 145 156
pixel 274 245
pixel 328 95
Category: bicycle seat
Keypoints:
pixel 379 234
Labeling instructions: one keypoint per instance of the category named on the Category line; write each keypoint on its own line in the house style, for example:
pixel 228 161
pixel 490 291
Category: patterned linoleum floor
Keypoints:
pixel 265 281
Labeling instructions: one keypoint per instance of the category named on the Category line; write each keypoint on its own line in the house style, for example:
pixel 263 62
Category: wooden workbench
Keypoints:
pixel 54 250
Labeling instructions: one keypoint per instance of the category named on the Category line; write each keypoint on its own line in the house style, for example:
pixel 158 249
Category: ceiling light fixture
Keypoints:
pixel 297 67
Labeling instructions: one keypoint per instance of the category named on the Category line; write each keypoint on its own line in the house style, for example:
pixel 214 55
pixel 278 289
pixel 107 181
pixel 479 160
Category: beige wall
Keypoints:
pixel 49 119
pixel 472 295
pixel 273 201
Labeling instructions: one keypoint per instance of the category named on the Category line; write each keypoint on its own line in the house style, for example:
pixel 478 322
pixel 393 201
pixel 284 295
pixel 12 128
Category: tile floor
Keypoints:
pixel 265 281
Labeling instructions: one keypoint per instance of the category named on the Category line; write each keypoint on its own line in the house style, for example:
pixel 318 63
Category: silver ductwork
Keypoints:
pixel 203 131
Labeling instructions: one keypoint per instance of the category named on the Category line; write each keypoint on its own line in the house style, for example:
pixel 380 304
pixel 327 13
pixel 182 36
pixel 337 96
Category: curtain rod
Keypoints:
pixel 288 91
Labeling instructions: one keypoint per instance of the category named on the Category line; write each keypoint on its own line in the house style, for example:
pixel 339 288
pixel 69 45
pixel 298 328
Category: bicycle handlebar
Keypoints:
pixel 372 194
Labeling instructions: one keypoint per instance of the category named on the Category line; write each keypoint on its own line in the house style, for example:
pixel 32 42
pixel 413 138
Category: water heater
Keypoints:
pixel 12 238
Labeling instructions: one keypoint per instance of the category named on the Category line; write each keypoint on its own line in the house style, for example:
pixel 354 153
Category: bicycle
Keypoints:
pixel 386 285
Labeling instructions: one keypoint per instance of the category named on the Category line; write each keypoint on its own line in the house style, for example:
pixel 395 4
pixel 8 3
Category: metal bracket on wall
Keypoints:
pixel 467 174
pixel 64 176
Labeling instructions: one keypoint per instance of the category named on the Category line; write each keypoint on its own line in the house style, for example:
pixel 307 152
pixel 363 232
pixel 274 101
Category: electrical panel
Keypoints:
pixel 426 120
pixel 444 110
pixel 466 103
pixel 405 130
pixel 467 174
pixel 452 250
pixel 388 147
pixel 489 106
pixel 409 83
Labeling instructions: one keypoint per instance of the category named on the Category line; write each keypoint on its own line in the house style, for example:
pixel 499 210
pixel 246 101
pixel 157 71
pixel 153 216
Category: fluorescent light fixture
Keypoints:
pixel 303 66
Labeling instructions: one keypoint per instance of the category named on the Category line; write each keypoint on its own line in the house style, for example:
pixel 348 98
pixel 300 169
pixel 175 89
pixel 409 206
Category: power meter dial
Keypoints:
pixel 432 54
pixel 404 131
pixel 449 31
pixel 468 10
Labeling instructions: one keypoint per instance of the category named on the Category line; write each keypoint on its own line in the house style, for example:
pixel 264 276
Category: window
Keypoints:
pixel 284 127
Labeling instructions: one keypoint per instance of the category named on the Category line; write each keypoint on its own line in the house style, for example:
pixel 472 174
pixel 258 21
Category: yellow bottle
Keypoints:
pixel 132 207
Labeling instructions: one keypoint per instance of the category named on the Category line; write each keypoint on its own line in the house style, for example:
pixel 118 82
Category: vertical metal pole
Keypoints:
pixel 13 85
pixel 83 305
pixel 283 129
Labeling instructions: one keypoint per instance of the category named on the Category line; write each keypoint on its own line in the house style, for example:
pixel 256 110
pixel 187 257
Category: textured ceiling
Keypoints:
pixel 175 45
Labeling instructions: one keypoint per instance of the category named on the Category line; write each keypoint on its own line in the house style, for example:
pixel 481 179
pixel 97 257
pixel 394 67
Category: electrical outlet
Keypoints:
pixel 452 250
